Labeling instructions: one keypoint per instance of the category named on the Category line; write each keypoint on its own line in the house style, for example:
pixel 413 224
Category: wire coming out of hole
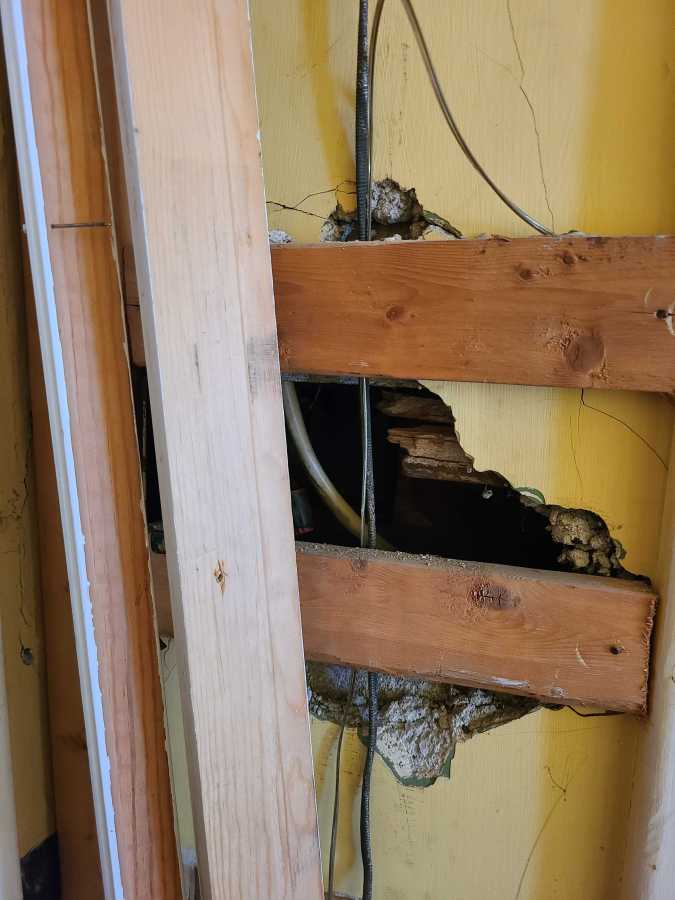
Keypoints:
pixel 444 107
pixel 364 153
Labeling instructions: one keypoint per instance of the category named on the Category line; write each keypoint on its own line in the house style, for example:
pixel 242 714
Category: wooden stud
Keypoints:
pixel 10 875
pixel 81 328
pixel 80 867
pixel 194 178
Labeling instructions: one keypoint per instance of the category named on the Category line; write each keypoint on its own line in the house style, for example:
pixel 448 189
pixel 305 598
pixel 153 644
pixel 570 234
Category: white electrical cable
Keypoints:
pixel 444 107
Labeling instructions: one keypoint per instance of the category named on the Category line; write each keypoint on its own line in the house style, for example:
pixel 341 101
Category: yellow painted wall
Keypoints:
pixel 571 108
pixel 20 606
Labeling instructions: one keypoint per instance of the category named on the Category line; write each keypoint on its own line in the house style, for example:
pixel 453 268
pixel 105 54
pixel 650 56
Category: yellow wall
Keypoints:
pixel 570 107
pixel 20 606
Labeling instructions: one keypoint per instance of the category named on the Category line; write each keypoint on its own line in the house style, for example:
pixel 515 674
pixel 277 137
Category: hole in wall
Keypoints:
pixel 430 499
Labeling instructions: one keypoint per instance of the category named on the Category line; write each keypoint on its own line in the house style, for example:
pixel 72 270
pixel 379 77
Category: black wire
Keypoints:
pixel 593 715
pixel 369 535
pixel 366 846
pixel 362 126
pixel 368 519
pixel 368 516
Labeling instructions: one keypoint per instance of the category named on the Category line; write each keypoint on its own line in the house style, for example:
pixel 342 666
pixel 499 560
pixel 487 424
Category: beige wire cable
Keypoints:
pixel 330 495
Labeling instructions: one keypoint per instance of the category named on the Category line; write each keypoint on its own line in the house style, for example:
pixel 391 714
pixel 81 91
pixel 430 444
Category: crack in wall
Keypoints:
pixel 537 134
pixel 561 798
pixel 641 438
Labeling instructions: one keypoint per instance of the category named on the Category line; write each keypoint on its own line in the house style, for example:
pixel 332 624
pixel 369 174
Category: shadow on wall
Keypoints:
pixel 318 46
pixel 628 188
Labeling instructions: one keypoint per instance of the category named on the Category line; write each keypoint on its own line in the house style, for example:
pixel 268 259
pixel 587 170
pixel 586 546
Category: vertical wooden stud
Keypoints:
pixel 186 94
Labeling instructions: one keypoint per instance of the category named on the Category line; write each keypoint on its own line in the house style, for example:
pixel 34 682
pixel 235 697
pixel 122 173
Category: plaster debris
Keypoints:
pixel 420 722
pixel 436 233
pixel 393 205
pixel 587 545
pixel 397 214
pixel 279 236
pixel 339 226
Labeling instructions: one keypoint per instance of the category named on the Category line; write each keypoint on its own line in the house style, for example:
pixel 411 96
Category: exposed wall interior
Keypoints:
pixel 570 108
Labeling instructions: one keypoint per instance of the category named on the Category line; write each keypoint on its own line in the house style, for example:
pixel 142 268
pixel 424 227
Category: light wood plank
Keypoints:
pixel 571 312
pixel 200 238
pixel 57 400
pixel 549 635
pixel 81 326
pixel 106 458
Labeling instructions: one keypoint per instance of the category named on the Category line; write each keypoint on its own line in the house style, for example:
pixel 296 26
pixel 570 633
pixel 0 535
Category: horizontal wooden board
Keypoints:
pixel 562 638
pixel 566 312
pixel 570 312
pixel 559 637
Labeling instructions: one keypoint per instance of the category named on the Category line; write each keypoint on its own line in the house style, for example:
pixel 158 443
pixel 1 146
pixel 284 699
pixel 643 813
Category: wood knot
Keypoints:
pixel 220 575
pixel 395 312
pixel 487 595
pixel 585 353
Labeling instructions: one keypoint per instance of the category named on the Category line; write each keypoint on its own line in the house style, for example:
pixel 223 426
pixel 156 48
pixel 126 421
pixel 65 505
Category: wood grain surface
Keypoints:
pixel 561 638
pixel 91 326
pixel 190 138
pixel 73 804
pixel 568 312
pixel 565 312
